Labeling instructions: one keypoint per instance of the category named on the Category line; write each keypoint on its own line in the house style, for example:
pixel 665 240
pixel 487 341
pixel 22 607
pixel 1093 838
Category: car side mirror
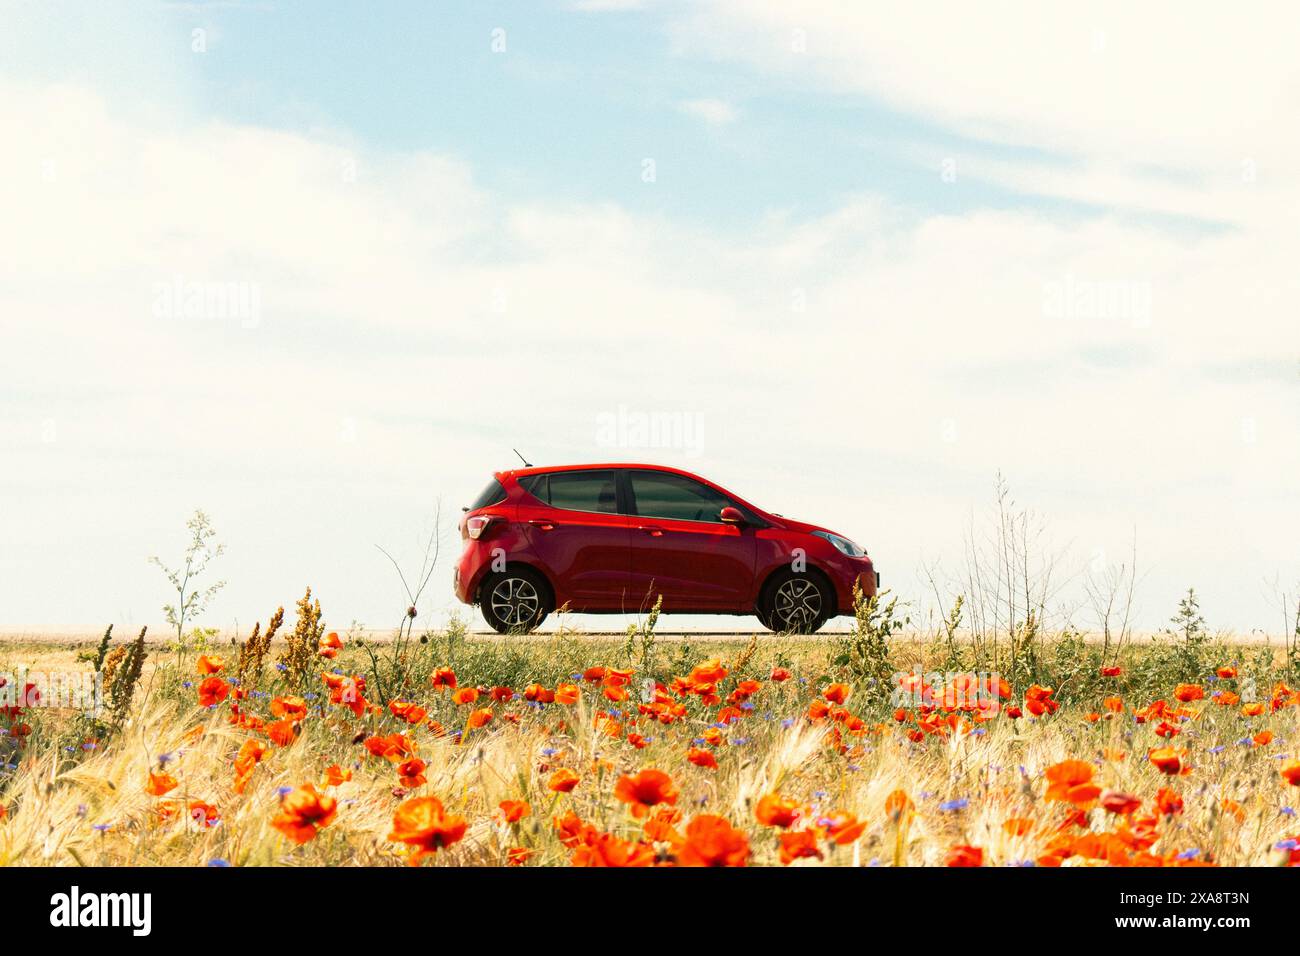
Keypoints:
pixel 730 515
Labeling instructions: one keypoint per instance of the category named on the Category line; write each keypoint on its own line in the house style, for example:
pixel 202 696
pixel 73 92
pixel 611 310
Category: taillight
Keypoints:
pixel 478 524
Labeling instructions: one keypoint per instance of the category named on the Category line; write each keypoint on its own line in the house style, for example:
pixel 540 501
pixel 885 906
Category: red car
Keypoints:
pixel 605 539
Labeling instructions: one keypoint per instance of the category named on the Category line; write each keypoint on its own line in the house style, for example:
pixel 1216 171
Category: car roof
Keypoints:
pixel 547 469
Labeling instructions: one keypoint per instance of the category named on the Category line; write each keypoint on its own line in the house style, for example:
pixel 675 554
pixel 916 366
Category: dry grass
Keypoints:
pixel 71 802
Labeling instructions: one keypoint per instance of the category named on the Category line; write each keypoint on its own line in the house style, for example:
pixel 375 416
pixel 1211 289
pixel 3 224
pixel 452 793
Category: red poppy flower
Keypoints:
pixel 780 674
pixel 330 646
pixel 425 827
pixel 1226 673
pixel 295 708
pixel 605 849
pixel 303 813
pixel 518 855
pixel 836 693
pixel 563 781
pixel 1112 670
pixel 1166 760
pixel 411 773
pixel 897 805
pixel 336 775
pixel 963 855
pixel 160 783
pixel 844 828
pixel 773 811
pixel 567 693
pixel 570 830
pixel 702 758
pixel 539 693
pixel 1070 781
pixel 798 844
pixel 204 814
pixel 210 664
pixel 1189 692
pixel 1116 801
pixel 212 691
pixel 512 811
pixel 1291 772
pixel 249 756
pixel 1168 802
pixel 647 789
pixel 712 841
pixel 282 732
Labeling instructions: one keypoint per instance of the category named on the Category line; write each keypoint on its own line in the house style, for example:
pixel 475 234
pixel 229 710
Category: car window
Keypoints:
pixel 535 485
pixel 579 491
pixel 491 495
pixel 665 495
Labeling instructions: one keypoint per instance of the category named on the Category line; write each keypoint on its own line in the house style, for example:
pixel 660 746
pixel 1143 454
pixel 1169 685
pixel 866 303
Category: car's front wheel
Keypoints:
pixel 797 602
pixel 514 601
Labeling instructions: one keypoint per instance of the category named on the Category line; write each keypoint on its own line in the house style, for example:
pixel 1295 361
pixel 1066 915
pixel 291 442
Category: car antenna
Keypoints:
pixel 521 458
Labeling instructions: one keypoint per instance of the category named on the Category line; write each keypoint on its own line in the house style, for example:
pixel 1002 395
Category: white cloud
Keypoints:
pixel 1198 84
pixel 715 112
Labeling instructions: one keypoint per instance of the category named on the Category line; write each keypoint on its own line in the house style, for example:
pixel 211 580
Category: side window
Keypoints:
pixel 535 485
pixel 580 491
pixel 663 495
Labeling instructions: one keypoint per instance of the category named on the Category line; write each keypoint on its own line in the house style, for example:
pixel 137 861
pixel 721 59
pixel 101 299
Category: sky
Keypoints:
pixel 317 267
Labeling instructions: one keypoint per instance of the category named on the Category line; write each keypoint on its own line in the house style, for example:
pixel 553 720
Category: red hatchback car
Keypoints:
pixel 605 539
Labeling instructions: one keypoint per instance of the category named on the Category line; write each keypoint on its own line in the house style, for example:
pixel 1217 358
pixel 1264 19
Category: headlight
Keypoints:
pixel 842 545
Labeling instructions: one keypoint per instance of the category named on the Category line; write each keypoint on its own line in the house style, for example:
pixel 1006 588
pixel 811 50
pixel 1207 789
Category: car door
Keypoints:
pixel 580 538
pixel 682 550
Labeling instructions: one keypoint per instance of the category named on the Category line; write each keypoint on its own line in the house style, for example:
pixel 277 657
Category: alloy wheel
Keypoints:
pixel 515 602
pixel 797 603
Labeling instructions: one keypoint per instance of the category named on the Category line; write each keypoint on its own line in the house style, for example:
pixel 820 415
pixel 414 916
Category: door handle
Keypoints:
pixel 543 524
pixel 653 532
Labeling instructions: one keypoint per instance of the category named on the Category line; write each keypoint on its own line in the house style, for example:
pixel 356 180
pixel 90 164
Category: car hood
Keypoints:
pixel 804 526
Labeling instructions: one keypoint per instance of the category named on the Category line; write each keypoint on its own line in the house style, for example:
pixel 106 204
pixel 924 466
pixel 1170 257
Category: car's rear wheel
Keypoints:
pixel 514 601
pixel 797 602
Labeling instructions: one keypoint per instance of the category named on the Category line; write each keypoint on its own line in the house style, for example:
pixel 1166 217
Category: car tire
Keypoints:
pixel 515 601
pixel 796 602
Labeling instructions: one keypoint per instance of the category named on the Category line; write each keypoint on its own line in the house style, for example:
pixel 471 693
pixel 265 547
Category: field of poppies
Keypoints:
pixel 561 750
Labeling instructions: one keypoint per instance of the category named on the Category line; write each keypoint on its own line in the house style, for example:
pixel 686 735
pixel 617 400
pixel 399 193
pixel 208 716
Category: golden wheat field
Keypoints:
pixel 301 746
